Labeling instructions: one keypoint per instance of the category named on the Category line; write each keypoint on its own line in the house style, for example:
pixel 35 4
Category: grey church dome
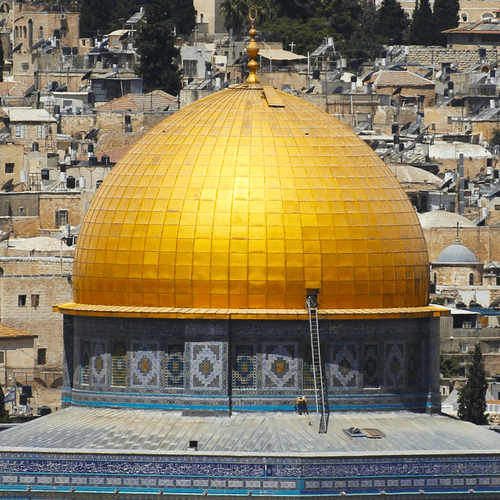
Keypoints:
pixel 457 254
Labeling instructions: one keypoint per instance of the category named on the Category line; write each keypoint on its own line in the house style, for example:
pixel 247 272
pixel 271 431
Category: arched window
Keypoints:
pixel 16 32
pixel 24 32
pixel 5 8
pixel 435 278
pixel 471 278
pixel 464 17
pixel 40 32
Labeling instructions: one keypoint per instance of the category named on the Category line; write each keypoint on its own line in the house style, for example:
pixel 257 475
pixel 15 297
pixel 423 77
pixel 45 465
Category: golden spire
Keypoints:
pixel 252 48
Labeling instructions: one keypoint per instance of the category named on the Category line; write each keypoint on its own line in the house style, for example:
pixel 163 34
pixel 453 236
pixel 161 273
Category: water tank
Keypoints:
pixel 45 174
pixel 93 161
pixel 105 160
pixel 83 182
pixel 23 399
pixel 70 182
pixel 26 389
pixel 316 74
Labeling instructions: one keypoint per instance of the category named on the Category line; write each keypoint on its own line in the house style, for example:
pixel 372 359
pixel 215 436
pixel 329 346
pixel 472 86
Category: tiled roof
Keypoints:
pixel 156 100
pixel 116 154
pixel 13 89
pixel 399 79
pixel 6 332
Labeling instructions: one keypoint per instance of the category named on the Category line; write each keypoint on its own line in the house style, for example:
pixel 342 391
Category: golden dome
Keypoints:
pixel 243 200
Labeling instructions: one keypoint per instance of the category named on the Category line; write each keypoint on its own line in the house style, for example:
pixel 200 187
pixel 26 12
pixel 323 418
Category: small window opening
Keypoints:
pixel 42 356
pixel 21 300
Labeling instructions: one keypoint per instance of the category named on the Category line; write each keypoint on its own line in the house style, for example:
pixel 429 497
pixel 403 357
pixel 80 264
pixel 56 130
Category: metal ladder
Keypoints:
pixel 319 387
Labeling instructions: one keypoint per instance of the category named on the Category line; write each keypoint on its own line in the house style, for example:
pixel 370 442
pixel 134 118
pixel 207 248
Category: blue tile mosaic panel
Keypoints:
pixel 119 364
pixel 371 366
pixel 99 364
pixel 344 370
pixel 244 367
pixel 280 365
pixel 394 364
pixel 85 355
pixel 145 364
pixel 206 365
pixel 174 366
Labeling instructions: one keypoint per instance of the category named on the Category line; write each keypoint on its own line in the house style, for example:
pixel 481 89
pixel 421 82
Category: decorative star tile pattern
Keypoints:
pixel 145 366
pixel 280 365
pixel 344 369
pixel 206 365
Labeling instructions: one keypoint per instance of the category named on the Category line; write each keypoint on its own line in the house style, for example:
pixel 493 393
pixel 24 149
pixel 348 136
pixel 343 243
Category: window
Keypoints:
pixel 42 356
pixel 244 369
pixel 25 67
pixel 24 32
pixel 435 278
pixel 20 131
pixel 35 300
pixel 190 68
pixel 464 348
pixel 21 211
pixel 471 279
pixel 40 33
pixel 16 32
pixel 21 300
pixel 41 131
pixel 85 362
pixel 61 218
pixel 119 364
pixel 2 357
pixel 9 168
pixel 174 366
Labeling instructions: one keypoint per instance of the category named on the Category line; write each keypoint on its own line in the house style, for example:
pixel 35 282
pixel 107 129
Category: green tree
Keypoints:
pixel 423 28
pixel 449 366
pixel 4 414
pixel 472 396
pixel 446 17
pixel 236 12
pixel 307 35
pixel 156 45
pixel 95 16
pixel 495 138
pixel 392 22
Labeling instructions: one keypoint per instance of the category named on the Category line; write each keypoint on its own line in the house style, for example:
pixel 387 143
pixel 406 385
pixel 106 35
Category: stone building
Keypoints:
pixel 34 275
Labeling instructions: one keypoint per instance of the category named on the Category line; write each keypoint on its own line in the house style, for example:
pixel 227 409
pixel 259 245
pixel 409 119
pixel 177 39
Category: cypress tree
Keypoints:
pixel 472 396
pixel 156 44
pixel 392 22
pixel 446 17
pixel 423 29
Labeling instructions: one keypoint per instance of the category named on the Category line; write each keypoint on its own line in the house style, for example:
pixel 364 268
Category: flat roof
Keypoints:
pixel 109 430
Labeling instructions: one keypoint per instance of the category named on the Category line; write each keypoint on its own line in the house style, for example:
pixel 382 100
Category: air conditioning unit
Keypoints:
pixel 62 16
